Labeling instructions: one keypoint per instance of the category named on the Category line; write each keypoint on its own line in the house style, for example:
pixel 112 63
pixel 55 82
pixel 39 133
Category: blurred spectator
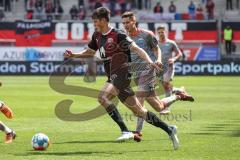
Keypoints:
pixel 49 9
pixel 2 15
pixel 123 5
pixel 210 9
pixel 29 15
pixel 172 8
pixel 25 4
pixel 191 10
pixel 229 4
pixel 228 36
pixel 7 5
pixel 118 9
pixel 139 4
pixel 105 3
pixel 112 6
pixel 199 12
pixel 80 3
pixel 56 3
pixel 74 12
pixel 91 4
pixel 81 13
pixel 158 8
pixel 237 4
pixel 38 4
pixel 30 5
pixel 38 12
pixel 1 3
pixel 148 4
pixel 128 5
pixel 98 4
pixel 199 9
pixel 133 4
pixel 58 10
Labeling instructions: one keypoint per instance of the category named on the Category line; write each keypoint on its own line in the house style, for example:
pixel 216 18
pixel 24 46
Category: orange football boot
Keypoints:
pixel 6 110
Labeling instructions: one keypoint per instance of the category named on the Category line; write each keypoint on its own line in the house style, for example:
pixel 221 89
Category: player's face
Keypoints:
pixel 161 34
pixel 128 24
pixel 98 24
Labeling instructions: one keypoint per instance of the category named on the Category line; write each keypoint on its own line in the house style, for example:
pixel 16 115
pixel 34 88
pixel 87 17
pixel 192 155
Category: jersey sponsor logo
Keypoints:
pixel 140 43
pixel 109 40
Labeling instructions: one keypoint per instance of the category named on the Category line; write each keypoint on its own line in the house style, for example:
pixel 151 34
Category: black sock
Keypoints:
pixel 154 120
pixel 115 115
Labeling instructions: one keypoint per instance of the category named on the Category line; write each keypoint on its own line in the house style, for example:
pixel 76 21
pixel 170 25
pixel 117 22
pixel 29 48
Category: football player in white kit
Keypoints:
pixel 144 77
pixel 170 54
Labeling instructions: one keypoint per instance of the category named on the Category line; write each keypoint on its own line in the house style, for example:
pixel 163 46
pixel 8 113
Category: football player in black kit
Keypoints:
pixel 115 48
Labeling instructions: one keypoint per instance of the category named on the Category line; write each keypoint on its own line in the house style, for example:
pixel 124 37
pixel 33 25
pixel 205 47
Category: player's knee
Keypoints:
pixel 141 112
pixel 101 99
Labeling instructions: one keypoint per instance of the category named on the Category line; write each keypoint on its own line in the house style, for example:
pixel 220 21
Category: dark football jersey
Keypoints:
pixel 114 49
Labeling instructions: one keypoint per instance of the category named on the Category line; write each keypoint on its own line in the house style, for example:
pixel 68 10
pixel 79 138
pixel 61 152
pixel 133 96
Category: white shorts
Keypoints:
pixel 146 81
pixel 168 75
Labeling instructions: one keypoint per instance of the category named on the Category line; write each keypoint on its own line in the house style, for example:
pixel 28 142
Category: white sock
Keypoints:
pixel 169 100
pixel 177 90
pixel 4 128
pixel 168 93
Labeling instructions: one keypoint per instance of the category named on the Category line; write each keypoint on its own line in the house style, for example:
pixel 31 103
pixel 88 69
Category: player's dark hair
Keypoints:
pixel 128 15
pixel 100 13
pixel 161 27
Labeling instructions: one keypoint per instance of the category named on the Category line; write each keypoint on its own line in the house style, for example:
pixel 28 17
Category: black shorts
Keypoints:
pixel 122 80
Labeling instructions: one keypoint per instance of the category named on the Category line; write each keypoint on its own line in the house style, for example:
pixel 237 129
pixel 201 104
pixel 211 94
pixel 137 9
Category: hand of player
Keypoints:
pixel 159 64
pixel 171 61
pixel 154 65
pixel 68 54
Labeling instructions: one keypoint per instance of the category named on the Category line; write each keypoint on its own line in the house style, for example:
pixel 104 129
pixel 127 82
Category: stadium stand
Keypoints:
pixel 20 12
pixel 59 13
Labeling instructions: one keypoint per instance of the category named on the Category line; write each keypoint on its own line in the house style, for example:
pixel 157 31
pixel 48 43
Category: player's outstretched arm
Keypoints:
pixel 134 48
pixel 87 53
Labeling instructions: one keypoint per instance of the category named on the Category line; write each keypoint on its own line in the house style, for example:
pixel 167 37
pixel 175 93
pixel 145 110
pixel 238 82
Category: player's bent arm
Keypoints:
pixel 134 48
pixel 87 53
pixel 158 53
pixel 178 54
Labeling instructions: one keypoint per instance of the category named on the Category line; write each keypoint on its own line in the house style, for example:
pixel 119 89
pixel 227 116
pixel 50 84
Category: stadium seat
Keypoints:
pixel 178 16
pixel 185 16
pixel 199 16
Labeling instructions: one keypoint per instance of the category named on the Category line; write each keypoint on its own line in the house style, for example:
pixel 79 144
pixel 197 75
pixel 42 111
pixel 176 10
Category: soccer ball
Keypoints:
pixel 40 142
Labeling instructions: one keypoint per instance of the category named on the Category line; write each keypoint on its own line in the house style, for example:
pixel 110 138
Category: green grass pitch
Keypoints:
pixel 209 128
